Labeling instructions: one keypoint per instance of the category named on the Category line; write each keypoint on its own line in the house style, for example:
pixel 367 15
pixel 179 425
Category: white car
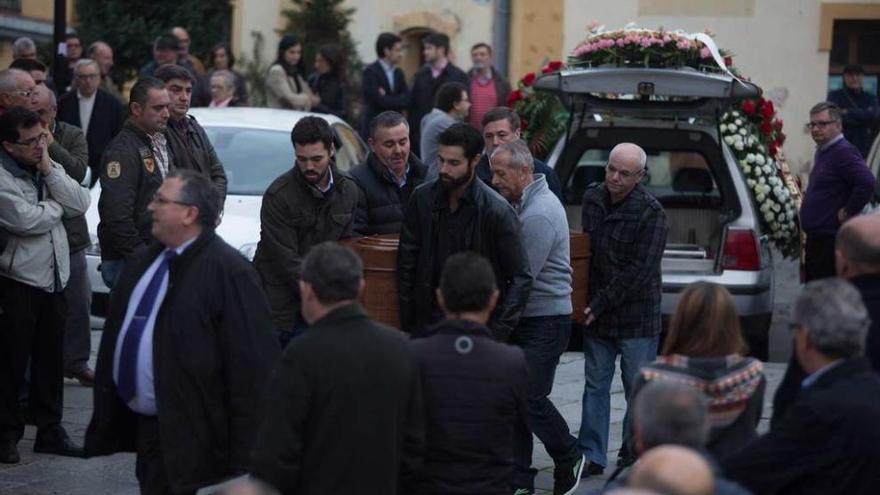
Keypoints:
pixel 255 148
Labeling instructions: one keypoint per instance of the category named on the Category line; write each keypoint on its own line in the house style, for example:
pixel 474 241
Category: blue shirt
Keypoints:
pixel 389 73
pixel 144 401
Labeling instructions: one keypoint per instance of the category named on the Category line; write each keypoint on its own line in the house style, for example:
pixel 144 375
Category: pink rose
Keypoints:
pixel 621 42
pixel 705 52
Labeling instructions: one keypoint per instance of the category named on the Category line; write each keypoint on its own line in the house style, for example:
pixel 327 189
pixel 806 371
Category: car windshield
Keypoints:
pixel 252 158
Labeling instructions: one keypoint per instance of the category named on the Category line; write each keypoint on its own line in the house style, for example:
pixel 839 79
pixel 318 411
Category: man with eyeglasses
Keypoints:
pixel 16 89
pixel 627 228
pixel 35 195
pixel 840 186
pixel 98 113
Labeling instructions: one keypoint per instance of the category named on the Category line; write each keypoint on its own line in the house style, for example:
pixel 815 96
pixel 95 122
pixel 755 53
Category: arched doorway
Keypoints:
pixel 412 51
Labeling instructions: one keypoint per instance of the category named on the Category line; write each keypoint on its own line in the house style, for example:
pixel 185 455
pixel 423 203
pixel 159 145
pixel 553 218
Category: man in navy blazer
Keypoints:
pixel 383 87
pixel 98 113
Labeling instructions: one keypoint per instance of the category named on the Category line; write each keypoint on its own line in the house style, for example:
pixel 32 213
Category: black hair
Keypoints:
pixel 499 113
pixel 449 94
pixel 197 190
pixel 386 40
pixel 229 55
pixel 463 135
pixel 335 58
pixel 14 119
pixel 439 40
pixel 467 282
pixel 311 130
pixel 140 92
pixel 287 41
pixel 482 45
pixel 167 72
pixel 386 119
pixel 27 65
pixel 166 41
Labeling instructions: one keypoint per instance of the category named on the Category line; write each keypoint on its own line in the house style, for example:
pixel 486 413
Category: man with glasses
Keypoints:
pixel 16 89
pixel 627 228
pixel 35 195
pixel 98 113
pixel 840 186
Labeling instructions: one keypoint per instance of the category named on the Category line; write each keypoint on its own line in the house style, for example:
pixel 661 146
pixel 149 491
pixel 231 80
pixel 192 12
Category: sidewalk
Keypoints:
pixel 40 474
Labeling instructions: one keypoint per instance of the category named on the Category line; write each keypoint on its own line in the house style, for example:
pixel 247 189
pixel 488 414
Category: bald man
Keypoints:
pixel 627 229
pixel 673 469
pixel 857 257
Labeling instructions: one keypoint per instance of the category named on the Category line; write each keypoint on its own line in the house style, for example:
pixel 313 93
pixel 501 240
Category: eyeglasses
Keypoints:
pixel 34 141
pixel 819 124
pixel 26 93
pixel 159 200
pixel 626 174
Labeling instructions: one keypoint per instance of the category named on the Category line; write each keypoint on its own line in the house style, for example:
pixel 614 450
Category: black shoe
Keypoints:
pixel 567 475
pixel 627 461
pixel 54 440
pixel 592 469
pixel 8 452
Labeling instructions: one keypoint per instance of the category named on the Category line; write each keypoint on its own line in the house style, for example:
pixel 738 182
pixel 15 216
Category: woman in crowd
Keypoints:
pixel 329 81
pixel 705 349
pixel 223 59
pixel 285 86
pixel 222 84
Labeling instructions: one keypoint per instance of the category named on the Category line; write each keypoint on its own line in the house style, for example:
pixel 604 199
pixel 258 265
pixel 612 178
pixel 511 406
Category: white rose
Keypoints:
pixel 758 171
pixel 747 169
pixel 776 208
pixel 738 121
pixel 760 199
pixel 761 180
pixel 728 140
pixel 723 128
pixel 760 159
pixel 743 132
pixel 750 158
pixel 768 170
pixel 739 146
pixel 789 215
pixel 768 216
pixel 751 183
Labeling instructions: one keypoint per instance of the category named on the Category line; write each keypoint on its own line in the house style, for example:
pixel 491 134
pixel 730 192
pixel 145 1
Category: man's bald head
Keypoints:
pixel 629 154
pixel 673 470
pixel 626 167
pixel 858 246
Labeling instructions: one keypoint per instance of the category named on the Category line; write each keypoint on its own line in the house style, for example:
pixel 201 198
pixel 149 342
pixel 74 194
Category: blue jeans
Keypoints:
pixel 599 356
pixel 543 339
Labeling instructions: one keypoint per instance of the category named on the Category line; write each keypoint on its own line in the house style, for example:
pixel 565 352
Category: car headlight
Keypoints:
pixel 95 248
pixel 248 250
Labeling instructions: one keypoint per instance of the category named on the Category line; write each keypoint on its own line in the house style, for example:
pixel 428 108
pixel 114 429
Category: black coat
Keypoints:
pixel 494 234
pixel 343 411
pixel 108 117
pixel 869 288
pixel 382 202
pixel 213 350
pixel 191 149
pixel 374 102
pixel 473 400
pixel 827 443
pixel 332 91
pixel 424 91
pixel 484 172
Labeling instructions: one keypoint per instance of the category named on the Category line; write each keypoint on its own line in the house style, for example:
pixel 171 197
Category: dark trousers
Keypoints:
pixel 31 327
pixel 819 257
pixel 543 339
pixel 150 464
pixel 77 336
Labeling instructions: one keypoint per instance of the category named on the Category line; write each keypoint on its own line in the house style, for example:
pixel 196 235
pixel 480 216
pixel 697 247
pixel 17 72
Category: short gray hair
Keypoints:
pixel 197 190
pixel 671 413
pixel 833 110
pixel 227 77
pixel 334 271
pixel 8 81
pixel 23 44
pixel 520 156
pixel 834 316
pixel 84 62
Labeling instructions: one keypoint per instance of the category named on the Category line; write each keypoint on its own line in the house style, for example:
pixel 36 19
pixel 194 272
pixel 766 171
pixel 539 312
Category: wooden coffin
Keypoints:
pixel 379 256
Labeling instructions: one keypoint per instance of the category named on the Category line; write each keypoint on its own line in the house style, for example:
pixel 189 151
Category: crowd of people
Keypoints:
pixel 269 376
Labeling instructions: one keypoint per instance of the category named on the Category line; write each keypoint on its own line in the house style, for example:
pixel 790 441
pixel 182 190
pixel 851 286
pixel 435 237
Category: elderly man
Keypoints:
pixel 673 469
pixel 16 89
pixel 166 50
pixel 67 146
pixel 362 414
pixel 454 213
pixel 827 442
pixel 840 186
pixel 488 88
pixel 24 47
pixel 35 194
pixel 188 336
pixel 627 229
pixel 858 260
pixel 501 125
pixel 33 67
pixel 184 55
pixel 387 178
pixel 98 113
pixel 545 325
pixel 101 53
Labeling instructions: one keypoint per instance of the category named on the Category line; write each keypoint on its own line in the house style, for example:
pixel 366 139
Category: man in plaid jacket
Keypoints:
pixel 627 228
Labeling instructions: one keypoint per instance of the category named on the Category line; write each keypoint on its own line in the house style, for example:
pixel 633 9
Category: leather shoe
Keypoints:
pixel 86 377
pixel 8 452
pixel 54 440
pixel 592 469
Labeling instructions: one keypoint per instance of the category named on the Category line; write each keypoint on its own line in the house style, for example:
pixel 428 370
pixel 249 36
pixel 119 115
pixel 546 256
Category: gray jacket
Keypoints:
pixel 433 124
pixel 37 253
pixel 545 236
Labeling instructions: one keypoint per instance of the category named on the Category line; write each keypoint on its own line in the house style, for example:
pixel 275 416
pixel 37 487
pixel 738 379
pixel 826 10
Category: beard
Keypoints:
pixel 453 183
pixel 315 178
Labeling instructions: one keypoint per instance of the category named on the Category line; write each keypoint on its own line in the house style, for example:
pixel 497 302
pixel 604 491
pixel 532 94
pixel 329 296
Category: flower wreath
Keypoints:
pixel 750 128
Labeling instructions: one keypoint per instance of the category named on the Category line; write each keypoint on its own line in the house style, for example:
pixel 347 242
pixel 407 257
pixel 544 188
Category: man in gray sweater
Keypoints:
pixel 545 325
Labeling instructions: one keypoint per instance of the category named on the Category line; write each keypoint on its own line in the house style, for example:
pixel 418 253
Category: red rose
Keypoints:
pixel 514 97
pixel 780 137
pixel 773 148
pixel 767 109
pixel 777 124
pixel 748 107
pixel 523 124
pixel 528 79
pixel 552 66
pixel 728 61
pixel 765 128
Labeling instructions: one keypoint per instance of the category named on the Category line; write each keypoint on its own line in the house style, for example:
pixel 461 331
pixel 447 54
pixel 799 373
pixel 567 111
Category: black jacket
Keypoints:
pixel 484 172
pixel 382 202
pixel 828 442
pixel 108 117
pixel 343 411
pixel 332 91
pixel 475 393
pixel 424 91
pixel 72 152
pixel 295 216
pixel 192 150
pixel 130 176
pixel 869 288
pixel 213 350
pixel 860 113
pixel 494 234
pixel 374 102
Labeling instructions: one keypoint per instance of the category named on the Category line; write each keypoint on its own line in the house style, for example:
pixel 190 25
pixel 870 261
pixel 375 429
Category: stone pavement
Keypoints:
pixel 40 474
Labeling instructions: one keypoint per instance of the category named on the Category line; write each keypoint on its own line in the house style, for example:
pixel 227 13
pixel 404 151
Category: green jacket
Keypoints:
pixel 71 150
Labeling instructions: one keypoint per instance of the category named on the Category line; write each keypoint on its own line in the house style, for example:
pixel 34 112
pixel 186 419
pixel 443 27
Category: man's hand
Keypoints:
pixel 44 166
pixel 590 317
pixel 315 99
pixel 842 216
pixel 381 91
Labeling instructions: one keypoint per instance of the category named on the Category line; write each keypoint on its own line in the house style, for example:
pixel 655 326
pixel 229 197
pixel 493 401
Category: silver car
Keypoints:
pixel 673 114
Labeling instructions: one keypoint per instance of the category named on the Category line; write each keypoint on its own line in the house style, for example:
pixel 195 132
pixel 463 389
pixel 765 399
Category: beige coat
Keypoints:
pixel 281 90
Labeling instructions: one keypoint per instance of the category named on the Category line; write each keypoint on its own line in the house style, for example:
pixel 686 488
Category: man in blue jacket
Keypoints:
pixel 383 87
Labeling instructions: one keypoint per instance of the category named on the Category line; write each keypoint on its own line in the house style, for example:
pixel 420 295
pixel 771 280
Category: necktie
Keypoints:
pixel 128 366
